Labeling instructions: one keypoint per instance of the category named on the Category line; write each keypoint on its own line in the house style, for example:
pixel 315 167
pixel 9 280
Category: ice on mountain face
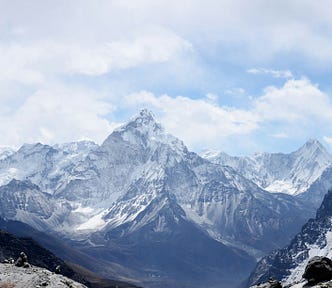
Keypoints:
pixel 93 223
pixel 281 186
pixel 9 174
pixel 210 154
pixel 144 132
pixel 51 168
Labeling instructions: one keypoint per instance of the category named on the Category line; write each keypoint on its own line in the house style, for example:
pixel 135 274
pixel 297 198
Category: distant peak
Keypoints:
pixel 144 117
pixel 21 184
pixel 313 144
pixel 146 113
pixel 27 148
pixel 144 121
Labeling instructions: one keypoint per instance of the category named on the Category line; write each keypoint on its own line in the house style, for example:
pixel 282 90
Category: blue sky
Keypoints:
pixel 238 76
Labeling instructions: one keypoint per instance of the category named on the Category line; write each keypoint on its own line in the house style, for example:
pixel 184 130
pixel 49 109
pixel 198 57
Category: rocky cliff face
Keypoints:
pixel 33 277
pixel 315 239
pixel 11 247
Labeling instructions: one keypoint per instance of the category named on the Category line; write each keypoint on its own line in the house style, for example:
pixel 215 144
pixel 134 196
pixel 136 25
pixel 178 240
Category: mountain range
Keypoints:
pixel 291 173
pixel 161 214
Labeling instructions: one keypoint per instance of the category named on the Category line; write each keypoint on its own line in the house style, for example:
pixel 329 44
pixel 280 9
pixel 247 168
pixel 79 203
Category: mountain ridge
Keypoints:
pixel 144 181
pixel 291 173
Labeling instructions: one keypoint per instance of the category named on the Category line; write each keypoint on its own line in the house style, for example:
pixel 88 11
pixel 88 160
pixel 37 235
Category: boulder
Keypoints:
pixel 272 283
pixel 318 269
pixel 22 261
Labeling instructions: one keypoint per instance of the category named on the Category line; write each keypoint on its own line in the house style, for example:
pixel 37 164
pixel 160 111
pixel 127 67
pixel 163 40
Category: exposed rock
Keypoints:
pixel 58 269
pixel 318 269
pixel 271 283
pixel 19 277
pixel 22 261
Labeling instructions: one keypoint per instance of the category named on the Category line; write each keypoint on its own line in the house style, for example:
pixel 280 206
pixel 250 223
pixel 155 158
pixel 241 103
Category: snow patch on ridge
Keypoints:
pixel 313 250
pixel 95 223
pixel 283 186
pixel 8 175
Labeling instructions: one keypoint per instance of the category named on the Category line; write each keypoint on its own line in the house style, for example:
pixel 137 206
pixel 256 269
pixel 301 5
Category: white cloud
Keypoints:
pixel 235 91
pixel 46 47
pixel 31 63
pixel 211 97
pixel 198 122
pixel 280 135
pixel 298 107
pixel 249 29
pixel 296 101
pixel 156 46
pixel 272 72
pixel 328 140
pixel 57 114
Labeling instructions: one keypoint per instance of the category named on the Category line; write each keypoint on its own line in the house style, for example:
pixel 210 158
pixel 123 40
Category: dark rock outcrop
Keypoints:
pixel 22 261
pixel 318 269
pixel 11 246
pixel 271 283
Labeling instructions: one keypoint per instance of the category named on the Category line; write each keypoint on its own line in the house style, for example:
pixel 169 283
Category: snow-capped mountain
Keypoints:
pixel 142 186
pixel 24 201
pixel 277 172
pixel 5 152
pixel 164 245
pixel 315 239
pixel 139 162
pixel 48 167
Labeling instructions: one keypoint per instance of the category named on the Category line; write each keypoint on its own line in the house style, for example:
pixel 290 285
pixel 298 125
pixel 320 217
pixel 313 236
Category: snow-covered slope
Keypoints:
pixel 315 193
pixel 48 167
pixel 24 201
pixel 141 186
pixel 5 152
pixel 139 162
pixel 109 185
pixel 315 239
pixel 286 173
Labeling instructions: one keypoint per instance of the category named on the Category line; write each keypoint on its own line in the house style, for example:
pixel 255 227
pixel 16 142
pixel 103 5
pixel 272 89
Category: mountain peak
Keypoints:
pixel 143 123
pixel 313 144
pixel 146 113
pixel 313 147
pixel 144 130
pixel 144 118
pixel 15 184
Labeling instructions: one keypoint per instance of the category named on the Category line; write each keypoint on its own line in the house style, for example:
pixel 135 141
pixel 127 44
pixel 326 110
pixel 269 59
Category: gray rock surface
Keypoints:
pixel 33 277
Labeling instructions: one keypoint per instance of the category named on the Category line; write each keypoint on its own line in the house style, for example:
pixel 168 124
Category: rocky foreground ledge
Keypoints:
pixel 12 276
pixel 317 274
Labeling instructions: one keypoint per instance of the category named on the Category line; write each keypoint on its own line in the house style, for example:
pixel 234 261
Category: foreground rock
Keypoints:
pixel 318 269
pixel 269 284
pixel 318 274
pixel 33 277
